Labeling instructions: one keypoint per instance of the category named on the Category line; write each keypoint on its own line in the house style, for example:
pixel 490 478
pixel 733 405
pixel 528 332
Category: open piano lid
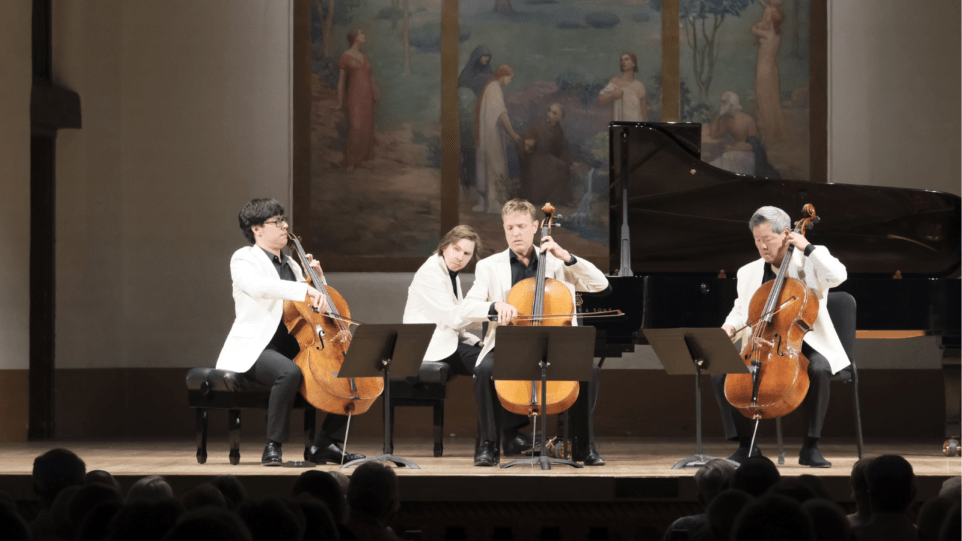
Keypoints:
pixel 686 216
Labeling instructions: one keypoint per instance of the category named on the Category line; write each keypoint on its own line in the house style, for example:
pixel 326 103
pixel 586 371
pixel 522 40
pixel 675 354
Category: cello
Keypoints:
pixel 540 301
pixel 324 338
pixel 780 312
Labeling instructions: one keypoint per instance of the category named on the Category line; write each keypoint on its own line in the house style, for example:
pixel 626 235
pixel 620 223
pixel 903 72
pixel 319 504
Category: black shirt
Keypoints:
pixel 282 341
pixel 519 271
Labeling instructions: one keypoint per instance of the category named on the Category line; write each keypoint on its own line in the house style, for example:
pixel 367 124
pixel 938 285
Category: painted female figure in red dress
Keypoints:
pixel 356 93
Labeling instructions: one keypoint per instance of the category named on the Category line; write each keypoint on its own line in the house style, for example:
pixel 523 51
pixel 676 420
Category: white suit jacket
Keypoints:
pixel 820 271
pixel 431 299
pixel 492 282
pixel 259 295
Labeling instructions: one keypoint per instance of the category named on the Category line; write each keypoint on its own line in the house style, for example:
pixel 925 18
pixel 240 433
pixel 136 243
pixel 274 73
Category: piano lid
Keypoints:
pixel 685 215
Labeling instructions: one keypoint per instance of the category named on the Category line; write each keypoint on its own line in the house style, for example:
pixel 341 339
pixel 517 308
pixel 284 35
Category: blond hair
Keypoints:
pixel 459 233
pixel 520 205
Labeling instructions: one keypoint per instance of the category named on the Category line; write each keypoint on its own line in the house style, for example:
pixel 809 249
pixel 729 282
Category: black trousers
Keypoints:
pixel 739 428
pixel 582 414
pixel 275 369
pixel 492 417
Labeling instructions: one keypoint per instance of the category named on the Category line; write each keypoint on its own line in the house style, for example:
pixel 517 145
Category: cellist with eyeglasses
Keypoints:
pixel 259 345
pixel 819 271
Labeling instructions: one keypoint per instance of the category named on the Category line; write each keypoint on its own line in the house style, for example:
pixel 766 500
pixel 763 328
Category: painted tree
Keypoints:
pixel 702 19
pixel 331 12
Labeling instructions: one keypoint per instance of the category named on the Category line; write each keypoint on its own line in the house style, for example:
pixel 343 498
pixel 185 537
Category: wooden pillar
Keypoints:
pixel 670 82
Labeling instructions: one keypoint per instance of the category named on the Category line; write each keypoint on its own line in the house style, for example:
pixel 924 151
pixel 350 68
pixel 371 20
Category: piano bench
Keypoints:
pixel 428 389
pixel 210 388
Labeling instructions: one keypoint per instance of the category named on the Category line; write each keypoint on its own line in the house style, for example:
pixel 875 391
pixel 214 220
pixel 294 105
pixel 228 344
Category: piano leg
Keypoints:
pixel 952 373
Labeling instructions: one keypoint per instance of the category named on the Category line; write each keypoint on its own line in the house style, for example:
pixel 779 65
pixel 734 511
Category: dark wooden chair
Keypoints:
pixel 210 388
pixel 427 390
pixel 841 309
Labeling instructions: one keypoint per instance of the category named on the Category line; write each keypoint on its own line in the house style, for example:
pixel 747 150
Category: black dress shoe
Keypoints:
pixel 813 457
pixel 520 445
pixel 742 453
pixel 486 454
pixel 272 454
pixel 590 458
pixel 330 453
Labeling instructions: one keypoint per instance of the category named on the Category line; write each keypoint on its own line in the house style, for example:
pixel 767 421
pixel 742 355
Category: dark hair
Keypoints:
pixel 319 523
pixel 793 488
pixel 373 490
pixel 210 524
pixel 828 520
pixel 256 212
pixel 203 495
pixel 755 475
pixel 232 489
pixel 145 521
pixel 891 484
pixel 772 517
pixel 151 488
pixel 723 509
pixel 86 499
pixel 352 35
pixel 633 59
pixel 55 470
pixel 270 519
pixel 323 486
pixel 713 478
pixel 932 515
pixel 459 233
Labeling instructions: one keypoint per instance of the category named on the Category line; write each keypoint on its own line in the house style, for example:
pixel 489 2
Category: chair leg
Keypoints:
pixel 858 418
pixel 439 428
pixel 310 420
pixel 781 443
pixel 233 435
pixel 201 424
pixel 390 429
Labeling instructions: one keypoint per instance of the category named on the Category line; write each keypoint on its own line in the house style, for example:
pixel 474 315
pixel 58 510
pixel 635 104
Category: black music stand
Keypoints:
pixel 386 350
pixel 694 351
pixel 569 351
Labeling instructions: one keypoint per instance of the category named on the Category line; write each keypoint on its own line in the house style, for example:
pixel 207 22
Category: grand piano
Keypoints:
pixel 678 234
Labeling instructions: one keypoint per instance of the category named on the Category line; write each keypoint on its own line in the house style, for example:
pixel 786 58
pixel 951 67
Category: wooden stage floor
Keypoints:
pixel 636 467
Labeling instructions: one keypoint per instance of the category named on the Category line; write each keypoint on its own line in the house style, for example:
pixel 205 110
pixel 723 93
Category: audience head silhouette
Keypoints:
pixel 891 484
pixel 55 470
pixel 772 516
pixel 755 475
pixel 373 490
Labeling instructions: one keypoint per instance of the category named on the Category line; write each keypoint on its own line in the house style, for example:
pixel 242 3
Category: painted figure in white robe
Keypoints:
pixel 492 127
pixel 625 94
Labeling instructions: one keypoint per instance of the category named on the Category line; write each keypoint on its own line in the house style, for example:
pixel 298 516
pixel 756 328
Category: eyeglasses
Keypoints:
pixel 277 221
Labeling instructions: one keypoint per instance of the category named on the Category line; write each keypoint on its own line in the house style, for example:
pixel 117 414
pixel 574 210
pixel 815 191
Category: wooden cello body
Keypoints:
pixel 535 298
pixel 324 339
pixel 782 311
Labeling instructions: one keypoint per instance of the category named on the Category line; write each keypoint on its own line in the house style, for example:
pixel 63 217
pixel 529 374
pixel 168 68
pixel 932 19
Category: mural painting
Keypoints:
pixel 539 82
pixel 744 74
pixel 375 126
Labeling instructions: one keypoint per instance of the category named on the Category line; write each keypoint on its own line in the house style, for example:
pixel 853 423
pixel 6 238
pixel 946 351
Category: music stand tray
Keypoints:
pixel 695 351
pixel 568 351
pixel 386 350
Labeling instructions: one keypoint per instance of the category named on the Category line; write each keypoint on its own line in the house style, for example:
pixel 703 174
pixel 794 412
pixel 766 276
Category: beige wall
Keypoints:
pixel 186 112
pixel 894 104
pixel 15 183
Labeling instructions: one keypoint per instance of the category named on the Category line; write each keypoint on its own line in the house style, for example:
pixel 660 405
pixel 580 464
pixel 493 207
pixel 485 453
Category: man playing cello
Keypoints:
pixel 258 344
pixel 820 271
pixel 493 279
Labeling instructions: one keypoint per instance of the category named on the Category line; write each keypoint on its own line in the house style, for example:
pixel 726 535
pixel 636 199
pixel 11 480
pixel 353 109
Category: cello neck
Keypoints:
pixel 312 274
pixel 780 278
